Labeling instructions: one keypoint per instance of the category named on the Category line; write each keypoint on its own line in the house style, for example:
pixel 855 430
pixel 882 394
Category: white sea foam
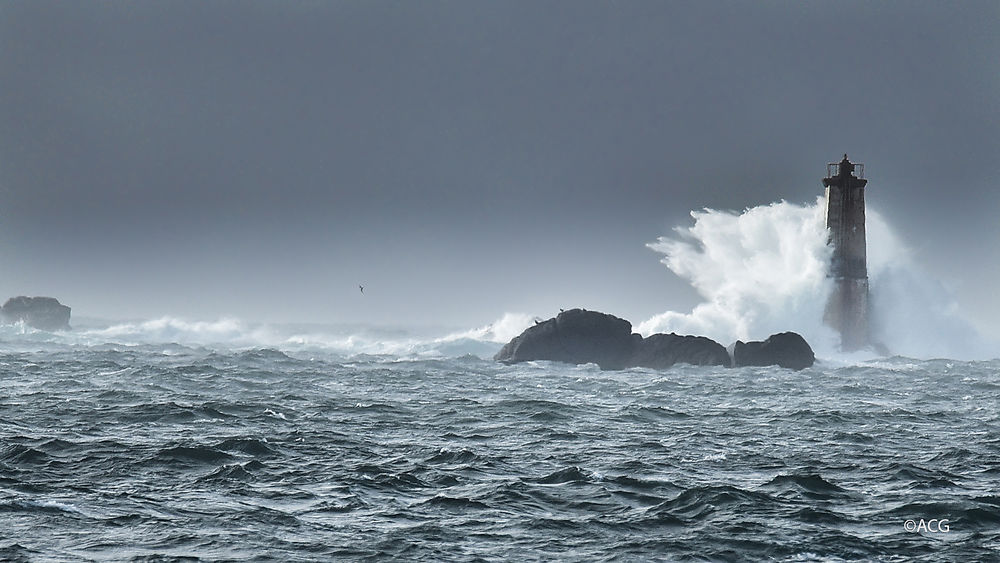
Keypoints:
pixel 500 331
pixel 171 329
pixel 346 340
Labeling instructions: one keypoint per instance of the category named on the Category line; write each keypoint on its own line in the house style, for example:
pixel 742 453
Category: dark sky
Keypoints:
pixel 463 159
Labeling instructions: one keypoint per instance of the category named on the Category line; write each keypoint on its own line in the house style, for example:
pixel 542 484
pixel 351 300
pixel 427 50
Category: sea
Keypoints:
pixel 168 440
pixel 174 439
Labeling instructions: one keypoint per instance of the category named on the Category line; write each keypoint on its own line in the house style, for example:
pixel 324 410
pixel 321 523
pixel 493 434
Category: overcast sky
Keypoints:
pixel 464 159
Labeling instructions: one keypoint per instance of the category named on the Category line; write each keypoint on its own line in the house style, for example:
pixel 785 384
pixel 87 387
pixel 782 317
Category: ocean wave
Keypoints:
pixel 809 485
pixel 234 472
pixel 563 476
pixel 43 506
pixel 19 454
pixel 249 446
pixel 697 503
pixel 185 455
pixel 273 342
pixel 284 453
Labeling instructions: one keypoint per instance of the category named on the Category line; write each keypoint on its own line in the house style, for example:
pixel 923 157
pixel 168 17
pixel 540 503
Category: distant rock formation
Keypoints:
pixel 579 336
pixel 43 313
pixel 788 350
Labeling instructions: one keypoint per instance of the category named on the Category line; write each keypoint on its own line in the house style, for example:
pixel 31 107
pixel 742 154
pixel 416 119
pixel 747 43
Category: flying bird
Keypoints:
pixel 362 288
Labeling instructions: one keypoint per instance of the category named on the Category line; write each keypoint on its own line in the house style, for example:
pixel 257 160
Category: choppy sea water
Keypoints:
pixel 163 451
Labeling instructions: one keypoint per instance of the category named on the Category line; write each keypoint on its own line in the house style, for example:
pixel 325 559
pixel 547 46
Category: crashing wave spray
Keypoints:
pixel 765 270
pixel 760 272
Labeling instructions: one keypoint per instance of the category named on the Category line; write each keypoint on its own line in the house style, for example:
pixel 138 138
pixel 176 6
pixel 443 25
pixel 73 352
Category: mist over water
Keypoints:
pixel 760 271
pixel 912 312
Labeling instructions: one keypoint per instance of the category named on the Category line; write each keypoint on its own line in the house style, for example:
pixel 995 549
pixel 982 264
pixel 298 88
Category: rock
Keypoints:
pixel 579 336
pixel 43 313
pixel 788 350
pixel 661 351
pixel 576 336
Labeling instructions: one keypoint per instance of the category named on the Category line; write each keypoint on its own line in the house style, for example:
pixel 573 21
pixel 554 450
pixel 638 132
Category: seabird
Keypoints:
pixel 362 288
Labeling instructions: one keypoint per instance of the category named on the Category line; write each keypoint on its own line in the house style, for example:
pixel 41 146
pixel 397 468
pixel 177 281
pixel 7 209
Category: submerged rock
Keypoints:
pixel 43 313
pixel 579 336
pixel 786 349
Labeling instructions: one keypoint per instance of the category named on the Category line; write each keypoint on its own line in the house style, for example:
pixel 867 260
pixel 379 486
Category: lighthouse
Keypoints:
pixel 847 309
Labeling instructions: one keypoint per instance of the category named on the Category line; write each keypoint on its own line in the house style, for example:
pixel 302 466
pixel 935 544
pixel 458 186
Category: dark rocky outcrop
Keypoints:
pixel 576 336
pixel 661 351
pixel 787 349
pixel 579 336
pixel 43 313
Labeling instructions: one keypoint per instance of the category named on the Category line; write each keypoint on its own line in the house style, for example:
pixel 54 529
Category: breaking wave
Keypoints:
pixel 760 272
pixel 231 333
pixel 764 271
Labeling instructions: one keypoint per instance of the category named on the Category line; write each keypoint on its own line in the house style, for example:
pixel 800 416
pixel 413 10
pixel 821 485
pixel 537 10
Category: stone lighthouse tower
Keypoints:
pixel 847 310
